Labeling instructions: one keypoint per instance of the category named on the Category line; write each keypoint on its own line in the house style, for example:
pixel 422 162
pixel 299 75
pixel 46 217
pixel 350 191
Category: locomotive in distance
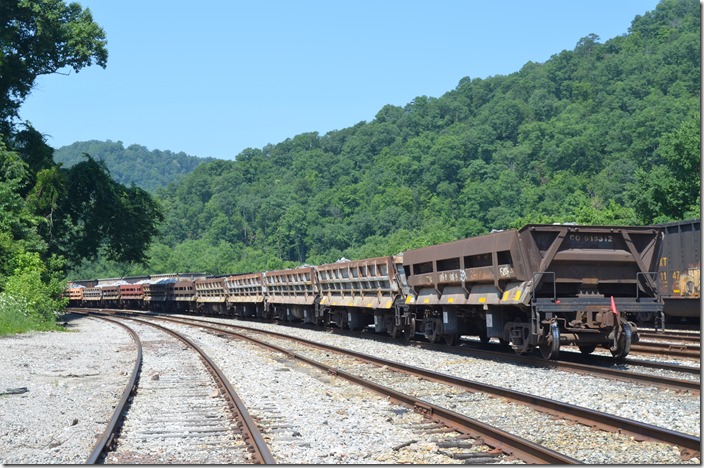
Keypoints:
pixel 543 286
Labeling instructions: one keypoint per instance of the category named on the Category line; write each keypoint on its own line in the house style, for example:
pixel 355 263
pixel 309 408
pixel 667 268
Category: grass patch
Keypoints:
pixel 15 318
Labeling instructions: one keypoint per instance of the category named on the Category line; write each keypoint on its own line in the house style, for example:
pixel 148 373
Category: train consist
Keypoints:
pixel 542 286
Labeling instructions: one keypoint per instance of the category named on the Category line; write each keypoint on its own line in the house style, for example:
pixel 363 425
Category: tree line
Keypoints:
pixel 135 164
pixel 606 133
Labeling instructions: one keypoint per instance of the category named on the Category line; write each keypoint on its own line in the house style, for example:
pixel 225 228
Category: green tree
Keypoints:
pixel 98 211
pixel 49 213
pixel 18 225
pixel 671 190
pixel 40 37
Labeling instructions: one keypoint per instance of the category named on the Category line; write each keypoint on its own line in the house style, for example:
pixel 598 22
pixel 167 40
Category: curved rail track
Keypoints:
pixel 598 419
pixel 256 446
pixel 605 421
pixel 108 436
pixel 510 444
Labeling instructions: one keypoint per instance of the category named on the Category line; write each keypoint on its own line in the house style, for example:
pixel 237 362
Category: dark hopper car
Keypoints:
pixel 542 286
pixel 679 269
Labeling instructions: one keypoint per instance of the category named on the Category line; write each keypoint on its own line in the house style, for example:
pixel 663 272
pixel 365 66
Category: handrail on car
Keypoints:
pixel 538 277
pixel 651 283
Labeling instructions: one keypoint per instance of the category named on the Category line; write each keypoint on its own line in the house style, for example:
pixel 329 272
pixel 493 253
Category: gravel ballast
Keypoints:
pixel 73 381
pixel 71 395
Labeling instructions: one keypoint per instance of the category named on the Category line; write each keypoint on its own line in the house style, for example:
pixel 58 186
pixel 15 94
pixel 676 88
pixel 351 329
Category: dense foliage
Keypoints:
pixel 149 170
pixel 607 133
pixel 51 215
pixel 39 37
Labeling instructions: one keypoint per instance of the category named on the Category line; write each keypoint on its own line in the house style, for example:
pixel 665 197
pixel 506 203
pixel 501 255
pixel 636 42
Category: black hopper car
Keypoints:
pixel 679 279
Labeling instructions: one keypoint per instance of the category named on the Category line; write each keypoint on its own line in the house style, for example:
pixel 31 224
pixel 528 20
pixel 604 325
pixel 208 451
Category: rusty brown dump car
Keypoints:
pixel 246 295
pixel 291 294
pixel 74 296
pixel 542 286
pixel 131 296
pixel 211 295
pixel 354 294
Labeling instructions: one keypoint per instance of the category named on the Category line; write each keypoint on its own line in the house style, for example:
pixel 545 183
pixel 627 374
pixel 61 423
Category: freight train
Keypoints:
pixel 540 287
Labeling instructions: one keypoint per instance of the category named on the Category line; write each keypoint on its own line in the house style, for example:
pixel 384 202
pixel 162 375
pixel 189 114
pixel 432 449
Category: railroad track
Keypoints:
pixel 578 363
pixel 667 349
pixel 571 361
pixel 183 411
pixel 449 420
pixel 640 430
pixel 671 336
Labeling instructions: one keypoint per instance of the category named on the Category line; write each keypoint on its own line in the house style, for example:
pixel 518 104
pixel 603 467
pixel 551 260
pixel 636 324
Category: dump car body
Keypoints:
pixel 211 295
pixel 295 286
pixel 246 294
pixel 248 288
pixel 583 261
pixel 131 295
pixel 184 291
pixel 354 294
pixel 159 293
pixel 514 284
pixel 93 296
pixel 478 270
pixel 211 290
pixel 74 295
pixel 131 291
pixel 111 292
pixel 371 283
pixel 291 294
pixel 539 261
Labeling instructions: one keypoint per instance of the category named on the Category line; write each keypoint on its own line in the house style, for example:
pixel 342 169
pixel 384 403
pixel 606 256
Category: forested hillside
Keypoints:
pixel 606 133
pixel 149 170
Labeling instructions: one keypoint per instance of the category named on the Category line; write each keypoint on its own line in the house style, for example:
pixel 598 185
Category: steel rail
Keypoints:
pixel 667 349
pixel 509 443
pixel 469 349
pixel 691 370
pixel 617 374
pixel 528 451
pixel 568 360
pixel 108 436
pixel 606 421
pixel 691 337
pixel 640 430
pixel 252 435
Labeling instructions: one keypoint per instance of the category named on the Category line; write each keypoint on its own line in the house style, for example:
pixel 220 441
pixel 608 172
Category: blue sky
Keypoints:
pixel 214 77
